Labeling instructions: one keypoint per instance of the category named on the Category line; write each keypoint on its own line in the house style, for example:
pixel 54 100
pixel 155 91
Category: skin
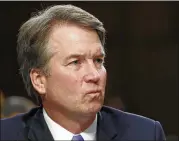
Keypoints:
pixel 74 91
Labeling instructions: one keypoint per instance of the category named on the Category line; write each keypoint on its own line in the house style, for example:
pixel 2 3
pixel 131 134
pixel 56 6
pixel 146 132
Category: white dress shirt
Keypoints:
pixel 60 133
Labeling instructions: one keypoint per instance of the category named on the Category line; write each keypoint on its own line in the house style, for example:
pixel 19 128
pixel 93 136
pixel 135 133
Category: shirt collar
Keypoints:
pixel 60 133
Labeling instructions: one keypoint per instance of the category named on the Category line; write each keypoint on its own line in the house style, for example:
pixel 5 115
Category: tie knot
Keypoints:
pixel 77 138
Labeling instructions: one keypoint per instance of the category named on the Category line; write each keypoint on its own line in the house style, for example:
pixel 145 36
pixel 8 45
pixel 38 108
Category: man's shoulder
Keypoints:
pixel 10 126
pixel 17 118
pixel 126 117
pixel 10 122
pixel 132 125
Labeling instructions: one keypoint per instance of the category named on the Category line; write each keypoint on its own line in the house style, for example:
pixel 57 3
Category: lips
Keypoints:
pixel 93 91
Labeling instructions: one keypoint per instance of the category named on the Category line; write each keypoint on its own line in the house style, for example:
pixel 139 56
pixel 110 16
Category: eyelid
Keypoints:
pixel 101 57
pixel 74 60
pixel 101 60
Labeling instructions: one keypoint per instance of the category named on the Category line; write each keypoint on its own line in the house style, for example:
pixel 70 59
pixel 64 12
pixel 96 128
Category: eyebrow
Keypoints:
pixel 76 55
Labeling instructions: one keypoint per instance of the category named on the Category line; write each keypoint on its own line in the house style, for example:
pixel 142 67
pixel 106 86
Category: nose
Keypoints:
pixel 92 74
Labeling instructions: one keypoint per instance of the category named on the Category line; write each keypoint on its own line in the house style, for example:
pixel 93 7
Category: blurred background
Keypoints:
pixel 142 52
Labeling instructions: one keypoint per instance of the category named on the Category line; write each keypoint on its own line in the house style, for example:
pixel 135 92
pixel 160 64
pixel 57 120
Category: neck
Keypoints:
pixel 71 122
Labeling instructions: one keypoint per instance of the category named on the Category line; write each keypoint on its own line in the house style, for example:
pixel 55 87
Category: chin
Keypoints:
pixel 93 108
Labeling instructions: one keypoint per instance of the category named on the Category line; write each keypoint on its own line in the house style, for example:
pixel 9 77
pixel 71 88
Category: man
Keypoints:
pixel 61 55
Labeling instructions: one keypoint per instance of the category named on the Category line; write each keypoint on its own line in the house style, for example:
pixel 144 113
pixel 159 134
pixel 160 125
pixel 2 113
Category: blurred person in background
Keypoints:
pixel 61 56
pixel 14 105
pixel 2 97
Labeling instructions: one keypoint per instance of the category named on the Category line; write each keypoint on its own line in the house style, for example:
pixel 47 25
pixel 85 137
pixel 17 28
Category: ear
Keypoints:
pixel 38 80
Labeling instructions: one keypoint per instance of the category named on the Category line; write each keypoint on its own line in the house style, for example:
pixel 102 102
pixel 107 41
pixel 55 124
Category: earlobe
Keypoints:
pixel 38 81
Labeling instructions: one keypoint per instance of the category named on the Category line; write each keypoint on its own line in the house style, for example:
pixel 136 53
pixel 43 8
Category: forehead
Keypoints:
pixel 70 38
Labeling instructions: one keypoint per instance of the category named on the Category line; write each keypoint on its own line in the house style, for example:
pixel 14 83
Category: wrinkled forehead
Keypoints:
pixel 70 38
pixel 72 31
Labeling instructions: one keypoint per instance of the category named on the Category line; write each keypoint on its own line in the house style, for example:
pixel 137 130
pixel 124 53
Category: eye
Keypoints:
pixel 75 62
pixel 99 60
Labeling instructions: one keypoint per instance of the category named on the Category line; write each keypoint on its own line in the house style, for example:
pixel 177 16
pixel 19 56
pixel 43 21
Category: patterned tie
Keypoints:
pixel 77 138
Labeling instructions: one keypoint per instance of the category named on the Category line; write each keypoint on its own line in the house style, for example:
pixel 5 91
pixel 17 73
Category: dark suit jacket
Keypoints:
pixel 112 125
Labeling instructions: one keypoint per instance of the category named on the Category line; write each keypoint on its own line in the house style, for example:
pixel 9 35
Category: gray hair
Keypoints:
pixel 32 50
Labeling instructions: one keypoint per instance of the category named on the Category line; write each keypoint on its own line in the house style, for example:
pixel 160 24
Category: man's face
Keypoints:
pixel 78 77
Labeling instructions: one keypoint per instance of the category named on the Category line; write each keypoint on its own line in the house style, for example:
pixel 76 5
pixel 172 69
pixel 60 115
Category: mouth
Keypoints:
pixel 94 95
pixel 93 92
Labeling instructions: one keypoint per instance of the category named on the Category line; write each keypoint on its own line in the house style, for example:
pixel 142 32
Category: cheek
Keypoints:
pixel 64 80
pixel 61 86
pixel 103 74
pixel 70 79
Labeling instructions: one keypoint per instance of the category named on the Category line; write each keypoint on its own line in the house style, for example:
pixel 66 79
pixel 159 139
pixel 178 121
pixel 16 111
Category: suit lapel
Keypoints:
pixel 36 127
pixel 105 128
pixel 109 128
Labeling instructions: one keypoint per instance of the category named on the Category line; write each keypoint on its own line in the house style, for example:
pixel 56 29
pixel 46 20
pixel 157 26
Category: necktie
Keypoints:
pixel 77 138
